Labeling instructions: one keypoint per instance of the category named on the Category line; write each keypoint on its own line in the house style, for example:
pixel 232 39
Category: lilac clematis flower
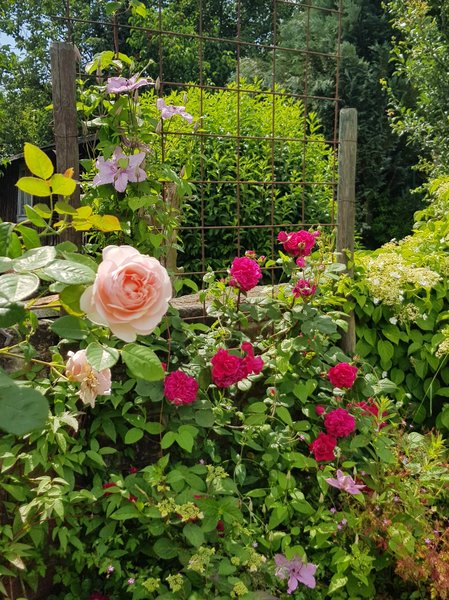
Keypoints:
pixel 295 571
pixel 119 85
pixel 120 169
pixel 345 483
pixel 168 111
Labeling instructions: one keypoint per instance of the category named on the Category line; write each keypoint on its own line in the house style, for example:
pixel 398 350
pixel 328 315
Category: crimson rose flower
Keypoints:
pixel 180 388
pixel 298 243
pixel 339 423
pixel 303 288
pixel 227 369
pixel 323 447
pixel 245 273
pixel 342 375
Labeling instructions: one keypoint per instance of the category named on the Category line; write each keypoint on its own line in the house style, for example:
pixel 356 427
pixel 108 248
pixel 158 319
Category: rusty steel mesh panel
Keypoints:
pixel 242 206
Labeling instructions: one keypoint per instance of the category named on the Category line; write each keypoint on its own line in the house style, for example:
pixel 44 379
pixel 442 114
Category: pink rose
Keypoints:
pixel 323 447
pixel 303 288
pixel 227 369
pixel 339 423
pixel 298 243
pixel 320 410
pixel 180 388
pixel 245 273
pixel 130 294
pixel 253 364
pixel 342 375
pixel 93 383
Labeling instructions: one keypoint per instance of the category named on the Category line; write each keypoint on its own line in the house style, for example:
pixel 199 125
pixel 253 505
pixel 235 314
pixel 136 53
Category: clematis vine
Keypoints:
pixel 345 483
pixel 168 111
pixel 120 169
pixel 120 85
pixel 295 571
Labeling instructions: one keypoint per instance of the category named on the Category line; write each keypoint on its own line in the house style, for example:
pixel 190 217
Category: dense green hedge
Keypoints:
pixel 217 156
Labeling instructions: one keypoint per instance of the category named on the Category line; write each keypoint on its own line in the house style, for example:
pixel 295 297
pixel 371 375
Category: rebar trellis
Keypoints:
pixel 242 48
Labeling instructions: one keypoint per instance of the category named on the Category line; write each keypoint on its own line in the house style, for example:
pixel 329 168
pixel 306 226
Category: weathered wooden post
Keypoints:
pixel 347 154
pixel 64 57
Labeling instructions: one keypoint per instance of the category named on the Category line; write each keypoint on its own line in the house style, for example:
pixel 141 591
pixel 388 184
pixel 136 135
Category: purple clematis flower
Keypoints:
pixel 168 111
pixel 120 169
pixel 119 85
pixel 295 571
pixel 345 483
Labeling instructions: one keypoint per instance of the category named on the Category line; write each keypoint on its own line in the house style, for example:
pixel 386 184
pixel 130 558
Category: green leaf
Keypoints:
pixel 34 187
pixel 133 435
pixel 34 259
pixel 70 327
pixel 70 298
pixel 386 350
pixel 284 414
pixel 193 534
pixel 5 237
pixel 34 217
pixel 304 389
pixel 165 548
pixel 15 286
pixel 101 357
pixel 11 314
pixel 64 208
pixel 30 237
pixel 38 162
pixel 168 439
pixel 62 185
pixel 142 362
pixel 185 440
pixel 278 516
pixel 69 272
pixel 126 512
pixel 22 409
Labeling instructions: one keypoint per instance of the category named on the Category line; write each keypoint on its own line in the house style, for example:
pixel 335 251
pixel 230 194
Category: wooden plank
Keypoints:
pixel 64 57
pixel 347 155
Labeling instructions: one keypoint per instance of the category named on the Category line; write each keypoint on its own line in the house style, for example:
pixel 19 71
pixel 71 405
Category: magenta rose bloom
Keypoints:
pixel 339 423
pixel 253 364
pixel 227 369
pixel 245 273
pixel 180 388
pixel 323 447
pixel 342 375
pixel 303 288
pixel 298 243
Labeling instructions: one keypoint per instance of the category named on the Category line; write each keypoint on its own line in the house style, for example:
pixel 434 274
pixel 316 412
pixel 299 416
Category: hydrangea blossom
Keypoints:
pixel 345 483
pixel 120 169
pixel 168 111
pixel 295 571
pixel 119 85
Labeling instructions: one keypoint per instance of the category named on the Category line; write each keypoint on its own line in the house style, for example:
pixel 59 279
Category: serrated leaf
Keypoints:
pixel 105 223
pixel 142 362
pixel 70 327
pixel 133 435
pixel 34 259
pixel 69 272
pixel 62 185
pixel 64 208
pixel 38 162
pixel 22 409
pixel 11 314
pixel 101 357
pixel 34 186
pixel 18 286
pixel 34 217
pixel 193 534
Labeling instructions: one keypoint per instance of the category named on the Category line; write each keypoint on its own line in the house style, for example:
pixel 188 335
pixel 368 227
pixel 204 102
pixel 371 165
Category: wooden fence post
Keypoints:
pixel 347 154
pixel 64 56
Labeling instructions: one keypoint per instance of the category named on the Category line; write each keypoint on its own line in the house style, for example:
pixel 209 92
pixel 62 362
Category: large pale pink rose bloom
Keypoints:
pixel 93 383
pixel 130 294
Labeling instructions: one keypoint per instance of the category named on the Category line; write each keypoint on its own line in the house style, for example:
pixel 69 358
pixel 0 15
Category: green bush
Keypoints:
pixel 300 156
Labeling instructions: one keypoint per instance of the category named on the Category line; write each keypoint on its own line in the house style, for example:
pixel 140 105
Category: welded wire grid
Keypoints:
pixel 238 231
